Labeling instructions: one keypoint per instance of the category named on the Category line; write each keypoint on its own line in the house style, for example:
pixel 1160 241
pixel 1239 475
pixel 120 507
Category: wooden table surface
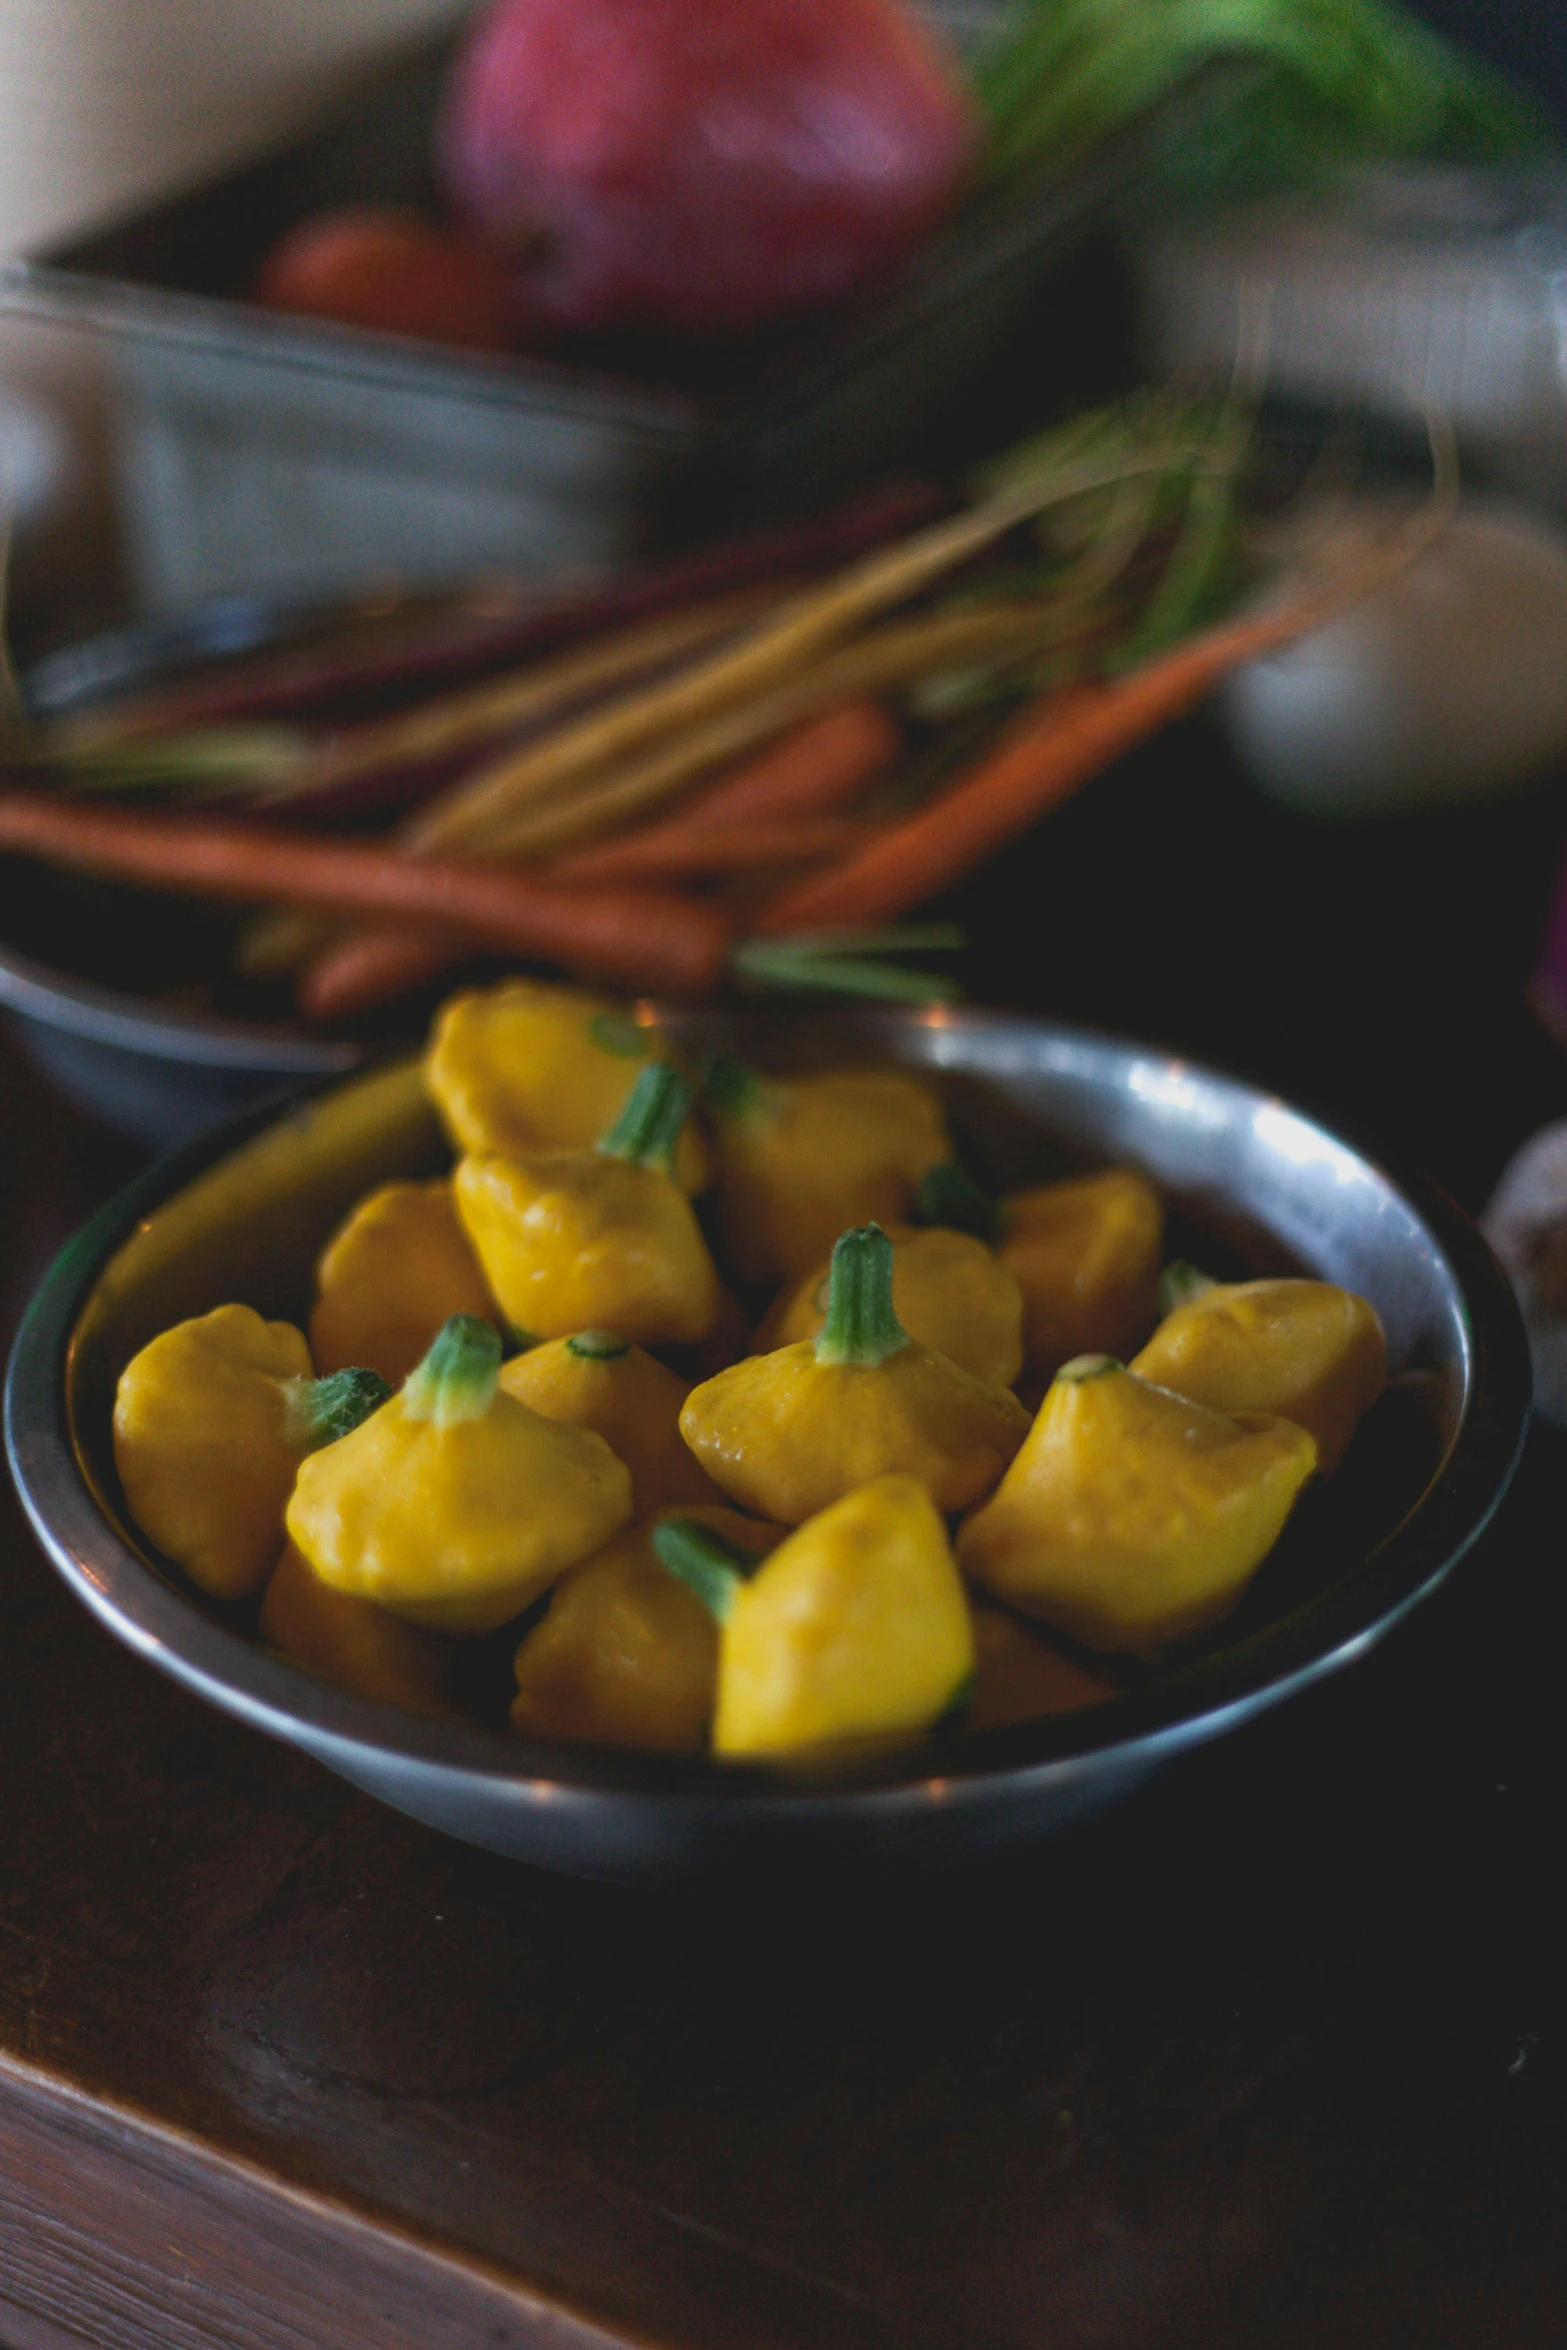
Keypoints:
pixel 1271 2058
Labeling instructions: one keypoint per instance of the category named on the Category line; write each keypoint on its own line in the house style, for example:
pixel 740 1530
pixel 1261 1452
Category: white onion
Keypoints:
pixel 1526 1223
pixel 1447 683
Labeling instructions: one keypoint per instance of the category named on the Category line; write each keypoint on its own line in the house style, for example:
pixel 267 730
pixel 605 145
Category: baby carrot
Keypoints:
pixel 1061 742
pixel 646 938
pixel 881 662
pixel 750 817
pixel 478 715
pixel 363 968
pixel 398 657
pixel 779 652
pixel 697 849
pixel 353 972
pixel 370 967
pixel 809 773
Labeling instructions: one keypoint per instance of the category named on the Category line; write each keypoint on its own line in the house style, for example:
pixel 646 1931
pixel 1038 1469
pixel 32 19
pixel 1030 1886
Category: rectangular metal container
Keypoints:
pixel 260 452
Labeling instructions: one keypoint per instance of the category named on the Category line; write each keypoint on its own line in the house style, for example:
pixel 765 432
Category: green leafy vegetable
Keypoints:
pixel 1346 78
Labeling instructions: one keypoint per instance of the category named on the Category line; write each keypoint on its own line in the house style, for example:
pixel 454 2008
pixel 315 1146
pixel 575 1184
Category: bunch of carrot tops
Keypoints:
pixel 749 764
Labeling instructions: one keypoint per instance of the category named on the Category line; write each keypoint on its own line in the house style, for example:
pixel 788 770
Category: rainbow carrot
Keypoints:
pixel 355 972
pixel 394 659
pixel 1060 743
pixel 640 938
pixel 808 774
pixel 371 967
pixel 356 767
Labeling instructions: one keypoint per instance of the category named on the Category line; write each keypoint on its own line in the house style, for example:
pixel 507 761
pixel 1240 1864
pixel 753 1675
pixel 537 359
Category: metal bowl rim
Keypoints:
pixel 34 991
pixel 1127 1735
pixel 119 660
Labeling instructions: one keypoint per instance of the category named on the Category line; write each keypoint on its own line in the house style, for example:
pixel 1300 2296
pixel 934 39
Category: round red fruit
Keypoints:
pixel 701 165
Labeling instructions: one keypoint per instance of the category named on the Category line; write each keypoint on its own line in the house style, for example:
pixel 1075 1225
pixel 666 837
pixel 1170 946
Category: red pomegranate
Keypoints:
pixel 702 165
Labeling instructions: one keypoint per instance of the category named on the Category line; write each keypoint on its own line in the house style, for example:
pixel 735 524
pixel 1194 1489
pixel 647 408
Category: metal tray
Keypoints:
pixel 258 452
pixel 244 1213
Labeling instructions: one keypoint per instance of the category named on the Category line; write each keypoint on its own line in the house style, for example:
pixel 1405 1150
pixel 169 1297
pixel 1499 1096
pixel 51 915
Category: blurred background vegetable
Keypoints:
pixel 753 785
pixel 700 171
pixel 1447 682
pixel 383 267
pixel 700 167
pixel 1342 78
pixel 792 741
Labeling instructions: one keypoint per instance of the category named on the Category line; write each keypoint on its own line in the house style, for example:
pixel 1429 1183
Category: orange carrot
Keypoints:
pixel 362 968
pixel 1061 742
pixel 701 849
pixel 821 764
pixel 644 938
pixel 357 971
pixel 813 770
pixel 818 767
pixel 370 967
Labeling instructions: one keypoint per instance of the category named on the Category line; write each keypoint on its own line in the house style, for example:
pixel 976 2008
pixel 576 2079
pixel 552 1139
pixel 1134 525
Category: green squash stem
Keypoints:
pixel 1082 1368
pixel 708 1565
pixel 598 1346
pixel 648 1128
pixel 730 1089
pixel 1180 1282
pixel 949 1197
pixel 322 1410
pixel 458 1377
pixel 861 1327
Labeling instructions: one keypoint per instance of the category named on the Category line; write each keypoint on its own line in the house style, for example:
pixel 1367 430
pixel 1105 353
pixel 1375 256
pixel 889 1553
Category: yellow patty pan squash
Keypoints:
pixel 596 1379
pixel 597 1239
pixel 527 1067
pixel 627 1655
pixel 1132 1516
pixel 396 1268
pixel 786 1433
pixel 454 1505
pixel 800 1159
pixel 1019 1678
pixel 949 1291
pixel 1085 1254
pixel 1311 1352
pixel 352 1641
pixel 856 1627
pixel 211 1422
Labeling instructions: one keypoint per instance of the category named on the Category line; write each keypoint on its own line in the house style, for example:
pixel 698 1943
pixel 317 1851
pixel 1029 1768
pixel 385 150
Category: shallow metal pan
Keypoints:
pixel 258 451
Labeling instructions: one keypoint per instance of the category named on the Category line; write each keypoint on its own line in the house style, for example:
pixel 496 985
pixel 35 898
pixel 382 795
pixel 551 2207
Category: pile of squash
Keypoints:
pixel 762 1426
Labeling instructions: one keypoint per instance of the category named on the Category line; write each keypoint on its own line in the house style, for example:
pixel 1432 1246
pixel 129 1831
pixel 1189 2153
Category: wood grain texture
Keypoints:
pixel 1270 2059
pixel 115 2234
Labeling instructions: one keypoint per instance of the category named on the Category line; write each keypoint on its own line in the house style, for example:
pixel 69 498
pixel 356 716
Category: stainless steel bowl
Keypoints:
pixel 243 1213
pixel 157 1073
